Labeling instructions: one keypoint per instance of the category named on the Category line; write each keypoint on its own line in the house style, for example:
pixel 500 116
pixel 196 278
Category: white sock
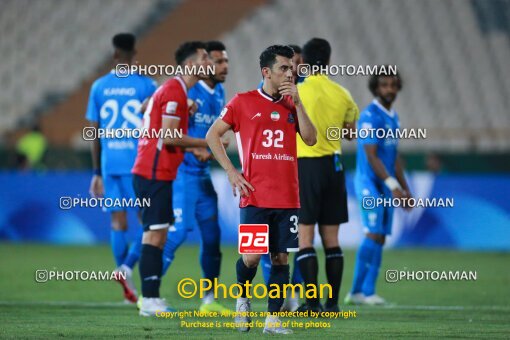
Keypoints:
pixel 208 298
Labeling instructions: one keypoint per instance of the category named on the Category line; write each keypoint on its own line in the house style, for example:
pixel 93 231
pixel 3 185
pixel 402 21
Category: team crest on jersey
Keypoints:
pixel 275 116
pixel 290 118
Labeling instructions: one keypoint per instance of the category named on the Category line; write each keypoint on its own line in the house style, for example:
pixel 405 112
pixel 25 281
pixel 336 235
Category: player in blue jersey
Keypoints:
pixel 115 103
pixel 290 303
pixel 195 201
pixel 379 173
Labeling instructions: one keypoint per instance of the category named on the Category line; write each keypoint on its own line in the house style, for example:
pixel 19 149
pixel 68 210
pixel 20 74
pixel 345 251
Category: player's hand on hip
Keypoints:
pixel 239 183
pixel 288 88
pixel 96 186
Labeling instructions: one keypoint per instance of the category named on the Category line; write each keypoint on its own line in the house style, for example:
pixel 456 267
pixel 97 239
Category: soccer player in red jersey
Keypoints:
pixel 265 122
pixel 156 167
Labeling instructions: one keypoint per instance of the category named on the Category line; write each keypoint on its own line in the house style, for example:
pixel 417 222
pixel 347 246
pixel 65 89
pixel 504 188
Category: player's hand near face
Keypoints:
pixel 288 88
pixel 96 186
pixel 238 182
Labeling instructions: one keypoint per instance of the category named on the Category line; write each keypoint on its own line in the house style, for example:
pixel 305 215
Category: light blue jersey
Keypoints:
pixel 376 117
pixel 210 102
pixel 377 120
pixel 115 103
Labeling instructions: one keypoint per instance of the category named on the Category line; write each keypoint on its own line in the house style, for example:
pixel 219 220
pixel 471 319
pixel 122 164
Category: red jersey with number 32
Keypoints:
pixel 265 130
pixel 156 160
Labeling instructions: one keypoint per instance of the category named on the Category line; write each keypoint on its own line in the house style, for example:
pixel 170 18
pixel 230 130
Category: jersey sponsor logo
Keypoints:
pixel 223 112
pixel 253 239
pixel 204 118
pixel 290 118
pixel 275 116
pixel 171 108
pixel 258 114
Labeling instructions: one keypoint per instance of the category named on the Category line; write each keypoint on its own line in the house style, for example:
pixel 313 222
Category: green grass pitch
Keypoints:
pixel 419 309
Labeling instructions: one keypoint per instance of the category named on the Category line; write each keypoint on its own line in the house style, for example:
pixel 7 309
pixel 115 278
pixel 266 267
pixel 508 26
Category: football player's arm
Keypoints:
pixel 96 188
pixel 236 179
pixel 306 128
pixel 380 170
pixel 399 173
pixel 172 123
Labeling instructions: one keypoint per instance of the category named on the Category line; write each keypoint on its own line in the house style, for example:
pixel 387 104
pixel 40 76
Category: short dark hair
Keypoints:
pixel 215 45
pixel 296 49
pixel 316 51
pixel 373 82
pixel 268 56
pixel 186 50
pixel 124 42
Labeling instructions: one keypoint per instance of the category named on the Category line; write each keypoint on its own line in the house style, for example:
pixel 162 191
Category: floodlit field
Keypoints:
pixel 95 309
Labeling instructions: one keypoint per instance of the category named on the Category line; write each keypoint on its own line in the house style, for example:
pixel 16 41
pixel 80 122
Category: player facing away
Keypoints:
pixel 156 167
pixel 290 303
pixel 379 173
pixel 115 103
pixel 195 201
pixel 265 122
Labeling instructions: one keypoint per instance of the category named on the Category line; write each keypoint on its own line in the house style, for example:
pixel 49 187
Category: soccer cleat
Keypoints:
pixel 149 306
pixel 333 308
pixel 124 276
pixel 354 299
pixel 139 302
pixel 309 308
pixel 274 326
pixel 214 307
pixel 290 304
pixel 373 300
pixel 242 319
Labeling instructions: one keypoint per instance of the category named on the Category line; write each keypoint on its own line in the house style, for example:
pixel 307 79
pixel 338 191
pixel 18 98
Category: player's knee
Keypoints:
pixel 251 261
pixel 156 238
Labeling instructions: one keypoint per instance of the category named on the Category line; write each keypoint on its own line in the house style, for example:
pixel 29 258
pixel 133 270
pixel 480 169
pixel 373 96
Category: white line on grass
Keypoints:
pixel 127 305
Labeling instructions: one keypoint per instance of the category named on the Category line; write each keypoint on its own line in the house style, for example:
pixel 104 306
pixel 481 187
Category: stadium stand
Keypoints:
pixel 470 40
pixel 472 64
pixel 42 60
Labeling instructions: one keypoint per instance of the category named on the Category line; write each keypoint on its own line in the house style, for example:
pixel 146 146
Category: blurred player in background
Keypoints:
pixel 115 103
pixel 265 122
pixel 195 201
pixel 156 167
pixel 291 303
pixel 379 173
pixel 321 177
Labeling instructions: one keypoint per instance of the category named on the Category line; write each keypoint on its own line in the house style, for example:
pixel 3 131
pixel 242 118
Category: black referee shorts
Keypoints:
pixel 322 191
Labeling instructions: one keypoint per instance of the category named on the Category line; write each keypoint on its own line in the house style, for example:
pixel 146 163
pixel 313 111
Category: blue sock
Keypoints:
pixel 173 242
pixel 363 260
pixel 373 271
pixel 134 250
pixel 296 273
pixel 265 263
pixel 210 255
pixel 119 245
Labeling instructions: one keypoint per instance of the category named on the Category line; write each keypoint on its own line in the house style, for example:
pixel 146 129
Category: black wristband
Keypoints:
pixel 97 172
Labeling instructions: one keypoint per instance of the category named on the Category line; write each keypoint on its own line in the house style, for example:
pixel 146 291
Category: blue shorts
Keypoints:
pixel 283 226
pixel 194 200
pixel 118 187
pixel 375 219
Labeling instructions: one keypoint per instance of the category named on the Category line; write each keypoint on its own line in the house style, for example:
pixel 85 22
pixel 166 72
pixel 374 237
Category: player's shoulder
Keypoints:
pixel 104 79
pixel 242 97
pixel 174 87
pixel 370 112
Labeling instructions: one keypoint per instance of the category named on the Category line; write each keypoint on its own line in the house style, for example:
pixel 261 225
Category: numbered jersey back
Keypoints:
pixel 265 130
pixel 115 103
